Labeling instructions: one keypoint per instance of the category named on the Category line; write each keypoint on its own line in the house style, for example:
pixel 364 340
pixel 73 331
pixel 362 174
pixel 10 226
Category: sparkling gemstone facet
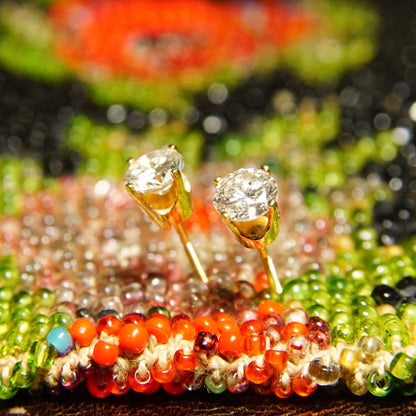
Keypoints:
pixel 245 194
pixel 152 171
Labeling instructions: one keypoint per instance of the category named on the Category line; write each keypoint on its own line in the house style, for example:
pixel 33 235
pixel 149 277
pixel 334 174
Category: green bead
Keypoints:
pixel 40 318
pixel 22 299
pixel 40 330
pixel 41 354
pixel 6 293
pixel 44 297
pixel 316 285
pixel 407 388
pixel 341 307
pixel 321 297
pixel 366 312
pixel 18 337
pixel 364 289
pixel 367 327
pixel 314 276
pixel 357 276
pixel 319 311
pixel 158 310
pixel 407 312
pixel 395 333
pixel 296 289
pixel 22 375
pixel 363 301
pixel 340 318
pixel 403 366
pixel 266 294
pixel 379 385
pixel 385 279
pixel 21 313
pixel 342 333
pixel 61 319
pixel 215 387
pixel 336 284
pixel 7 393
pixel 9 273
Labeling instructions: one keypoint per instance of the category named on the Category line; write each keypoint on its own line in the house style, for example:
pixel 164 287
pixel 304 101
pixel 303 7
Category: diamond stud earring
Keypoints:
pixel 247 202
pixel 157 184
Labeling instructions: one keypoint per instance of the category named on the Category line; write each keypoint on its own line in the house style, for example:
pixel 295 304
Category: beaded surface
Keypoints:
pixel 93 295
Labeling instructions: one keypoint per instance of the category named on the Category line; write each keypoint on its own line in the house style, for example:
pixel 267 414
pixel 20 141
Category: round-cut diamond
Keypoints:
pixel 152 171
pixel 245 194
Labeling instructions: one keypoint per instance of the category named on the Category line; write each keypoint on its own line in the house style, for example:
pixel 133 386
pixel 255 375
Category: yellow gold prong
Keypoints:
pixel 172 147
pixel 266 168
pixel 217 180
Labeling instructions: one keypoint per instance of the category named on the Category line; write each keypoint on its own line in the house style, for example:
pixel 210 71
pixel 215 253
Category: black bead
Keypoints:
pixel 407 286
pixel 85 313
pixel 386 294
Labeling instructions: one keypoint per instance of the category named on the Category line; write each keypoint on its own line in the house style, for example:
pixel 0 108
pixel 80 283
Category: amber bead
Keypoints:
pixel 206 342
pixel 303 385
pixel 273 333
pixel 349 360
pixel 263 388
pixel 293 328
pixel 235 383
pixel 159 326
pixel 145 384
pixel 180 317
pixel 320 338
pixel 83 331
pixel 281 387
pixel 254 344
pixel 324 374
pixel 230 346
pixel 133 318
pixel 252 327
pixel 165 373
pixel 133 337
pixel 205 324
pixel 119 388
pixel 315 322
pixel 185 328
pixel 258 374
pixel 108 324
pixel 185 362
pixel 268 307
pixel 105 353
pixel 277 359
pixel 273 319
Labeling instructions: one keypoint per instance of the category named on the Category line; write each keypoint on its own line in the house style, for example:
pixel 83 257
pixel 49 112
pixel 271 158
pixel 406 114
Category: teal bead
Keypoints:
pixel 403 366
pixel 41 355
pixel 61 340
pixel 22 375
pixel 44 297
pixel 319 311
pixel 61 319
pixel 407 312
pixel 296 289
pixel 7 393
pixel 22 299
pixel 218 386
pixel 342 333
pixel 379 385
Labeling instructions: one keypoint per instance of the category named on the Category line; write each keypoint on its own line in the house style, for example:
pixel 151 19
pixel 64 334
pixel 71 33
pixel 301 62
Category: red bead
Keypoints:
pixel 258 374
pixel 254 344
pixel 185 328
pixel 230 346
pixel 133 337
pixel 163 374
pixel 159 326
pixel 251 327
pixel 293 328
pixel 109 324
pixel 303 385
pixel 206 342
pixel 205 324
pixel 133 318
pixel 83 331
pixel 118 388
pixel 319 337
pixel 185 362
pixel 180 317
pixel 277 359
pixel 105 353
pixel 268 307
pixel 174 387
pixel 144 384
pixel 99 388
pixel 315 322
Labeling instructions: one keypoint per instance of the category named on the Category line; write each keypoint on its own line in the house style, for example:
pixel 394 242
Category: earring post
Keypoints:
pixel 270 270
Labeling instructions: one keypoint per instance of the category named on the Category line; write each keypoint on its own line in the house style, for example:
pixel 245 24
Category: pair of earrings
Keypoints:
pixel 246 200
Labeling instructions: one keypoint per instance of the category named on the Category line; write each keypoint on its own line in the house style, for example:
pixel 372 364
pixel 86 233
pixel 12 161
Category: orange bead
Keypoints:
pixel 83 331
pixel 293 328
pixel 252 327
pixel 185 328
pixel 99 388
pixel 277 359
pixel 118 388
pixel 133 338
pixel 268 307
pixel 254 344
pixel 303 385
pixel 108 324
pixel 163 374
pixel 133 318
pixel 258 374
pixel 174 387
pixel 282 388
pixel 230 345
pixel 205 324
pixel 185 362
pixel 105 353
pixel 261 282
pixel 144 384
pixel 159 326
pixel 226 323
